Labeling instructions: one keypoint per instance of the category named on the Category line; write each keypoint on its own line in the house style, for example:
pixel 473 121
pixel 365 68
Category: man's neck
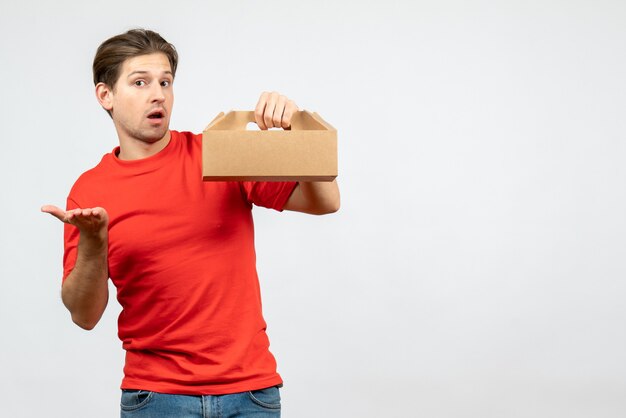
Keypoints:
pixel 133 149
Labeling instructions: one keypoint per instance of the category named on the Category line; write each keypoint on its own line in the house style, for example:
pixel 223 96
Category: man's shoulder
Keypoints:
pixel 98 169
pixel 186 136
pixel 92 176
pixel 187 143
pixel 107 170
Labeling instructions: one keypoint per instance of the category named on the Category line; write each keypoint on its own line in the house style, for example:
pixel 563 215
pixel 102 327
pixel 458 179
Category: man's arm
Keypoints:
pixel 316 198
pixel 85 292
pixel 274 110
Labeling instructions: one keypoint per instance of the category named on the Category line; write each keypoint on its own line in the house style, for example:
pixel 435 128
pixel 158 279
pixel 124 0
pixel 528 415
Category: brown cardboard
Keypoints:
pixel 306 152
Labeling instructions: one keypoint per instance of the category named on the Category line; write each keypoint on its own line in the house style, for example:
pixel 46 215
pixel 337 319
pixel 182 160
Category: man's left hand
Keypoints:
pixel 274 111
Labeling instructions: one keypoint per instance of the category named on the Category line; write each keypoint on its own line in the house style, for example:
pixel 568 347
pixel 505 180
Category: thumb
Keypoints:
pixel 54 211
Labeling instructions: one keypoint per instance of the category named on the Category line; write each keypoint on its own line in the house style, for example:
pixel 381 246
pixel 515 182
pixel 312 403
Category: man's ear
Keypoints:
pixel 104 94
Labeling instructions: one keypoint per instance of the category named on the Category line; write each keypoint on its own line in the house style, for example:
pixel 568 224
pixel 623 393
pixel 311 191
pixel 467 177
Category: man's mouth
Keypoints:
pixel 156 115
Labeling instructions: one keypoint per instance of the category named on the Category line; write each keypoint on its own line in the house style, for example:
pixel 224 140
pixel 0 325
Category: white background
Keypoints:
pixel 477 265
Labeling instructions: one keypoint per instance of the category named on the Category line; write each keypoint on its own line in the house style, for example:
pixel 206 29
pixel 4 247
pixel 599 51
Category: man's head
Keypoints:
pixel 133 73
pixel 114 51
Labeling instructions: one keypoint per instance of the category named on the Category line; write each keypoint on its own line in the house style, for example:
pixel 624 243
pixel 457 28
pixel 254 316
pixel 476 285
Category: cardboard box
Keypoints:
pixel 306 152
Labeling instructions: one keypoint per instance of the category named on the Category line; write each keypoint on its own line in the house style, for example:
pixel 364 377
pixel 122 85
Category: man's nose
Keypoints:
pixel 158 93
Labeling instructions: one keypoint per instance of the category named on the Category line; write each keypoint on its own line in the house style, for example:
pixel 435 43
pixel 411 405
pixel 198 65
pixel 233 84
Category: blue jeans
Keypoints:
pixel 263 403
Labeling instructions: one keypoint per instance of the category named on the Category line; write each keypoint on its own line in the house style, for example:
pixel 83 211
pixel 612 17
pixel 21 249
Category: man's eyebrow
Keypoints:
pixel 144 72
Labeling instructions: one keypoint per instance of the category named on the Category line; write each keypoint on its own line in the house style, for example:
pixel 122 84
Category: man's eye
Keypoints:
pixel 165 83
pixel 140 83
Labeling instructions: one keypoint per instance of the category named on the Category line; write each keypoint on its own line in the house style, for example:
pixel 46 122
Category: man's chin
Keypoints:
pixel 154 135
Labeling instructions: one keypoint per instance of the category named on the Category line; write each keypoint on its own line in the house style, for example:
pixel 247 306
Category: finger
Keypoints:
pixel 277 117
pixel 54 211
pixel 74 215
pixel 81 218
pixel 51 209
pixel 290 109
pixel 259 109
pixel 269 110
pixel 70 215
pixel 100 214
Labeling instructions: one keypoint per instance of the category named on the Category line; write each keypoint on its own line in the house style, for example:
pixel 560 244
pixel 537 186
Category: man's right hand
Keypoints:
pixel 91 222
pixel 85 292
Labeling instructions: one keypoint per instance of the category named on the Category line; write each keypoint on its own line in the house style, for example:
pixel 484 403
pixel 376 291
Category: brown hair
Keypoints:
pixel 114 51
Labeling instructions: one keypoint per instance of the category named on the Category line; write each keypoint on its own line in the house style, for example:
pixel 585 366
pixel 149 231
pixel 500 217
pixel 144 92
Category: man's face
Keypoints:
pixel 142 98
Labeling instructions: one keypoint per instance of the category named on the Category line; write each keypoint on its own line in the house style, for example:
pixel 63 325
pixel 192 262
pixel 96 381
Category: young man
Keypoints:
pixel 180 251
